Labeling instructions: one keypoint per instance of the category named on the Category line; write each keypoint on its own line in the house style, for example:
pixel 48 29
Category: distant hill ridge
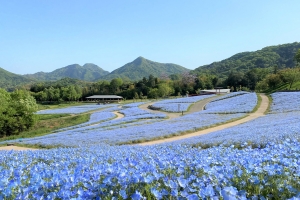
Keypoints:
pixel 142 67
pixel 10 80
pixel 87 72
pixel 281 56
pixel 133 71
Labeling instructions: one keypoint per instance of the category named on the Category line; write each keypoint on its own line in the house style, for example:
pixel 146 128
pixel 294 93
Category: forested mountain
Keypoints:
pixel 10 80
pixel 87 72
pixel 281 56
pixel 142 67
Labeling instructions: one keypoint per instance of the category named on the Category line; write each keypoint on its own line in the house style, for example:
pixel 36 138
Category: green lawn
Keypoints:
pixel 48 123
pixel 60 105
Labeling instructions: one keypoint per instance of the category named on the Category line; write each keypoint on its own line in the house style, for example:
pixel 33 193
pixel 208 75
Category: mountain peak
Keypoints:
pixel 142 67
pixel 88 72
pixel 89 64
pixel 139 60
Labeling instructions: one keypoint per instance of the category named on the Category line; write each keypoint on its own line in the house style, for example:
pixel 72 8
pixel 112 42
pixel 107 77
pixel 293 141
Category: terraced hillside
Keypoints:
pixel 256 159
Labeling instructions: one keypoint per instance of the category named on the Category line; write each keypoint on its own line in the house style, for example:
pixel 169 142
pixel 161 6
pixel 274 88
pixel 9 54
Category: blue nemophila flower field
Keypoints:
pixel 285 102
pixel 272 127
pixel 74 109
pixel 136 104
pixel 255 160
pixel 159 172
pixel 95 117
pixel 283 121
pixel 179 104
pixel 239 103
pixel 112 132
pixel 126 130
pixel 229 95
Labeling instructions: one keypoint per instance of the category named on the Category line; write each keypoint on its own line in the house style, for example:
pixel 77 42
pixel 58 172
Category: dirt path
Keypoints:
pixel 260 112
pixel 198 106
pixel 15 148
pixel 119 115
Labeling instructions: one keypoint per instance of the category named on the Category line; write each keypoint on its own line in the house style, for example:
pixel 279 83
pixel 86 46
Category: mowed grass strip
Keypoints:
pixel 48 123
pixel 56 105
pixel 259 99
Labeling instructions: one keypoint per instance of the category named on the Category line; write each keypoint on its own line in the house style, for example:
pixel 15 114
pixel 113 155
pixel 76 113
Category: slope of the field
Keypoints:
pixel 140 125
pixel 258 113
pixel 235 169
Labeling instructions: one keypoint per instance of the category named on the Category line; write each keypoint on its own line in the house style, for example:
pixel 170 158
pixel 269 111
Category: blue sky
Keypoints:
pixel 45 35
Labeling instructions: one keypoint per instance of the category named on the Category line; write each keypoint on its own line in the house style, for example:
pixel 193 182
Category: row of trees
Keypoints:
pixel 153 87
pixel 16 112
pixel 285 76
pixel 69 93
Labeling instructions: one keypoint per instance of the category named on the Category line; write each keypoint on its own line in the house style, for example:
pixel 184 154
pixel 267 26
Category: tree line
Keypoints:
pixel 175 85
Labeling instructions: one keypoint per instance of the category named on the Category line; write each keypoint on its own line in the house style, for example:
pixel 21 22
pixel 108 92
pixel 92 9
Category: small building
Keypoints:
pixel 104 98
pixel 215 91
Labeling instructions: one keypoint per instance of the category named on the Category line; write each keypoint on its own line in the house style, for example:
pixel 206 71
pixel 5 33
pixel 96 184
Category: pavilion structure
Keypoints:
pixel 217 90
pixel 104 98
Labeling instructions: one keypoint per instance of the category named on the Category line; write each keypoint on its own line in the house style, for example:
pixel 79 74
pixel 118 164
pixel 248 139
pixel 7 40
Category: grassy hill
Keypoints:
pixel 87 72
pixel 281 56
pixel 284 87
pixel 142 67
pixel 10 80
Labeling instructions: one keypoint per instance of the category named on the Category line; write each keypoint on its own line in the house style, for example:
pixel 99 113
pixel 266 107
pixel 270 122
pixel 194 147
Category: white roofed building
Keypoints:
pixel 104 98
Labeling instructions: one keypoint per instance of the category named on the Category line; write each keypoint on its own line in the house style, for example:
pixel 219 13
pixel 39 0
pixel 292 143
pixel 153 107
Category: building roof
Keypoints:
pixel 218 90
pixel 104 97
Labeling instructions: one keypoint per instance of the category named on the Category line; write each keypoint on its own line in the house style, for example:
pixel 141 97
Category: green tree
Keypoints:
pixel 164 90
pixel 214 81
pixel 141 96
pixel 56 94
pixel 153 93
pixel 261 86
pixel 4 99
pixel 136 96
pixel 78 92
pixel 151 81
pixel 234 80
pixel 250 80
pixel 104 87
pixel 273 80
pixel 64 93
pixel 72 95
pixel 290 76
pixel 50 93
pixel 297 56
pixel 16 112
pixel 115 84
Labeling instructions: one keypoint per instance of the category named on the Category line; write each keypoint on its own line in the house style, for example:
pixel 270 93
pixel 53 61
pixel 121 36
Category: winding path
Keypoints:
pixel 196 107
pixel 260 112
pixel 119 115
pixel 16 148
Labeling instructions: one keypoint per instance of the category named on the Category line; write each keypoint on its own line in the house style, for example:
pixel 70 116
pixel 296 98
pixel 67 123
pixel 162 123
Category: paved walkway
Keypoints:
pixel 260 112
